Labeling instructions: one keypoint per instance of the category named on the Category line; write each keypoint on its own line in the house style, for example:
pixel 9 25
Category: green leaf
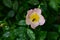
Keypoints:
pixel 31 34
pixel 15 5
pixel 59 28
pixel 43 35
pixel 0 39
pixel 11 13
pixel 53 4
pixel 58 1
pixel 20 32
pixel 20 9
pixel 6 34
pixel 1 22
pixel 52 36
pixel 6 28
pixel 17 17
pixel 7 3
pixel 23 8
pixel 33 2
pixel 22 22
pixel 59 38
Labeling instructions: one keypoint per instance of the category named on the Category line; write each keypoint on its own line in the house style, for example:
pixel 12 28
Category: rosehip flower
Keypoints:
pixel 34 18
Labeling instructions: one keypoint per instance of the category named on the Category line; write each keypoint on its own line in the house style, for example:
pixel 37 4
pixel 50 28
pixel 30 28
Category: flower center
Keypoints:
pixel 34 17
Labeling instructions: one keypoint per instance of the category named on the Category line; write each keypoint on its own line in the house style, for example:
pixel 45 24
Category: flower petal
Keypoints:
pixel 37 10
pixel 29 12
pixel 27 17
pixel 42 20
pixel 28 22
pixel 34 25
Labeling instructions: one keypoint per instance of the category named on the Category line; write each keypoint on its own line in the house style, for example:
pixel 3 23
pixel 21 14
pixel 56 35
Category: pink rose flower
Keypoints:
pixel 34 18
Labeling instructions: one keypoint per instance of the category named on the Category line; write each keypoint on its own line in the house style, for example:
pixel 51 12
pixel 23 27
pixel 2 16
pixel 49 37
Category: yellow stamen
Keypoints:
pixel 34 17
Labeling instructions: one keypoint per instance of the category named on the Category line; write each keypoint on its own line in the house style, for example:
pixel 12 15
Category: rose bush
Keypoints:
pixel 29 19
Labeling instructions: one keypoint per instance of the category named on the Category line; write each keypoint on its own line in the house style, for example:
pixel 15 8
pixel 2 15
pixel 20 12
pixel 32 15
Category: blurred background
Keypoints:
pixel 12 20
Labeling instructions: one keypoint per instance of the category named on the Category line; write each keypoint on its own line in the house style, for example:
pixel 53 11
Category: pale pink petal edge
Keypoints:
pixel 37 10
pixel 33 26
pixel 42 20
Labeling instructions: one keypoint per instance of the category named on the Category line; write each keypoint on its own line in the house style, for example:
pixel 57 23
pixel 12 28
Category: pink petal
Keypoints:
pixel 42 20
pixel 27 17
pixel 28 22
pixel 29 12
pixel 37 10
pixel 33 26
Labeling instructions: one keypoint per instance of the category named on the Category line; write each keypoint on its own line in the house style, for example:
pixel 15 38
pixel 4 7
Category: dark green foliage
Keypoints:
pixel 13 23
